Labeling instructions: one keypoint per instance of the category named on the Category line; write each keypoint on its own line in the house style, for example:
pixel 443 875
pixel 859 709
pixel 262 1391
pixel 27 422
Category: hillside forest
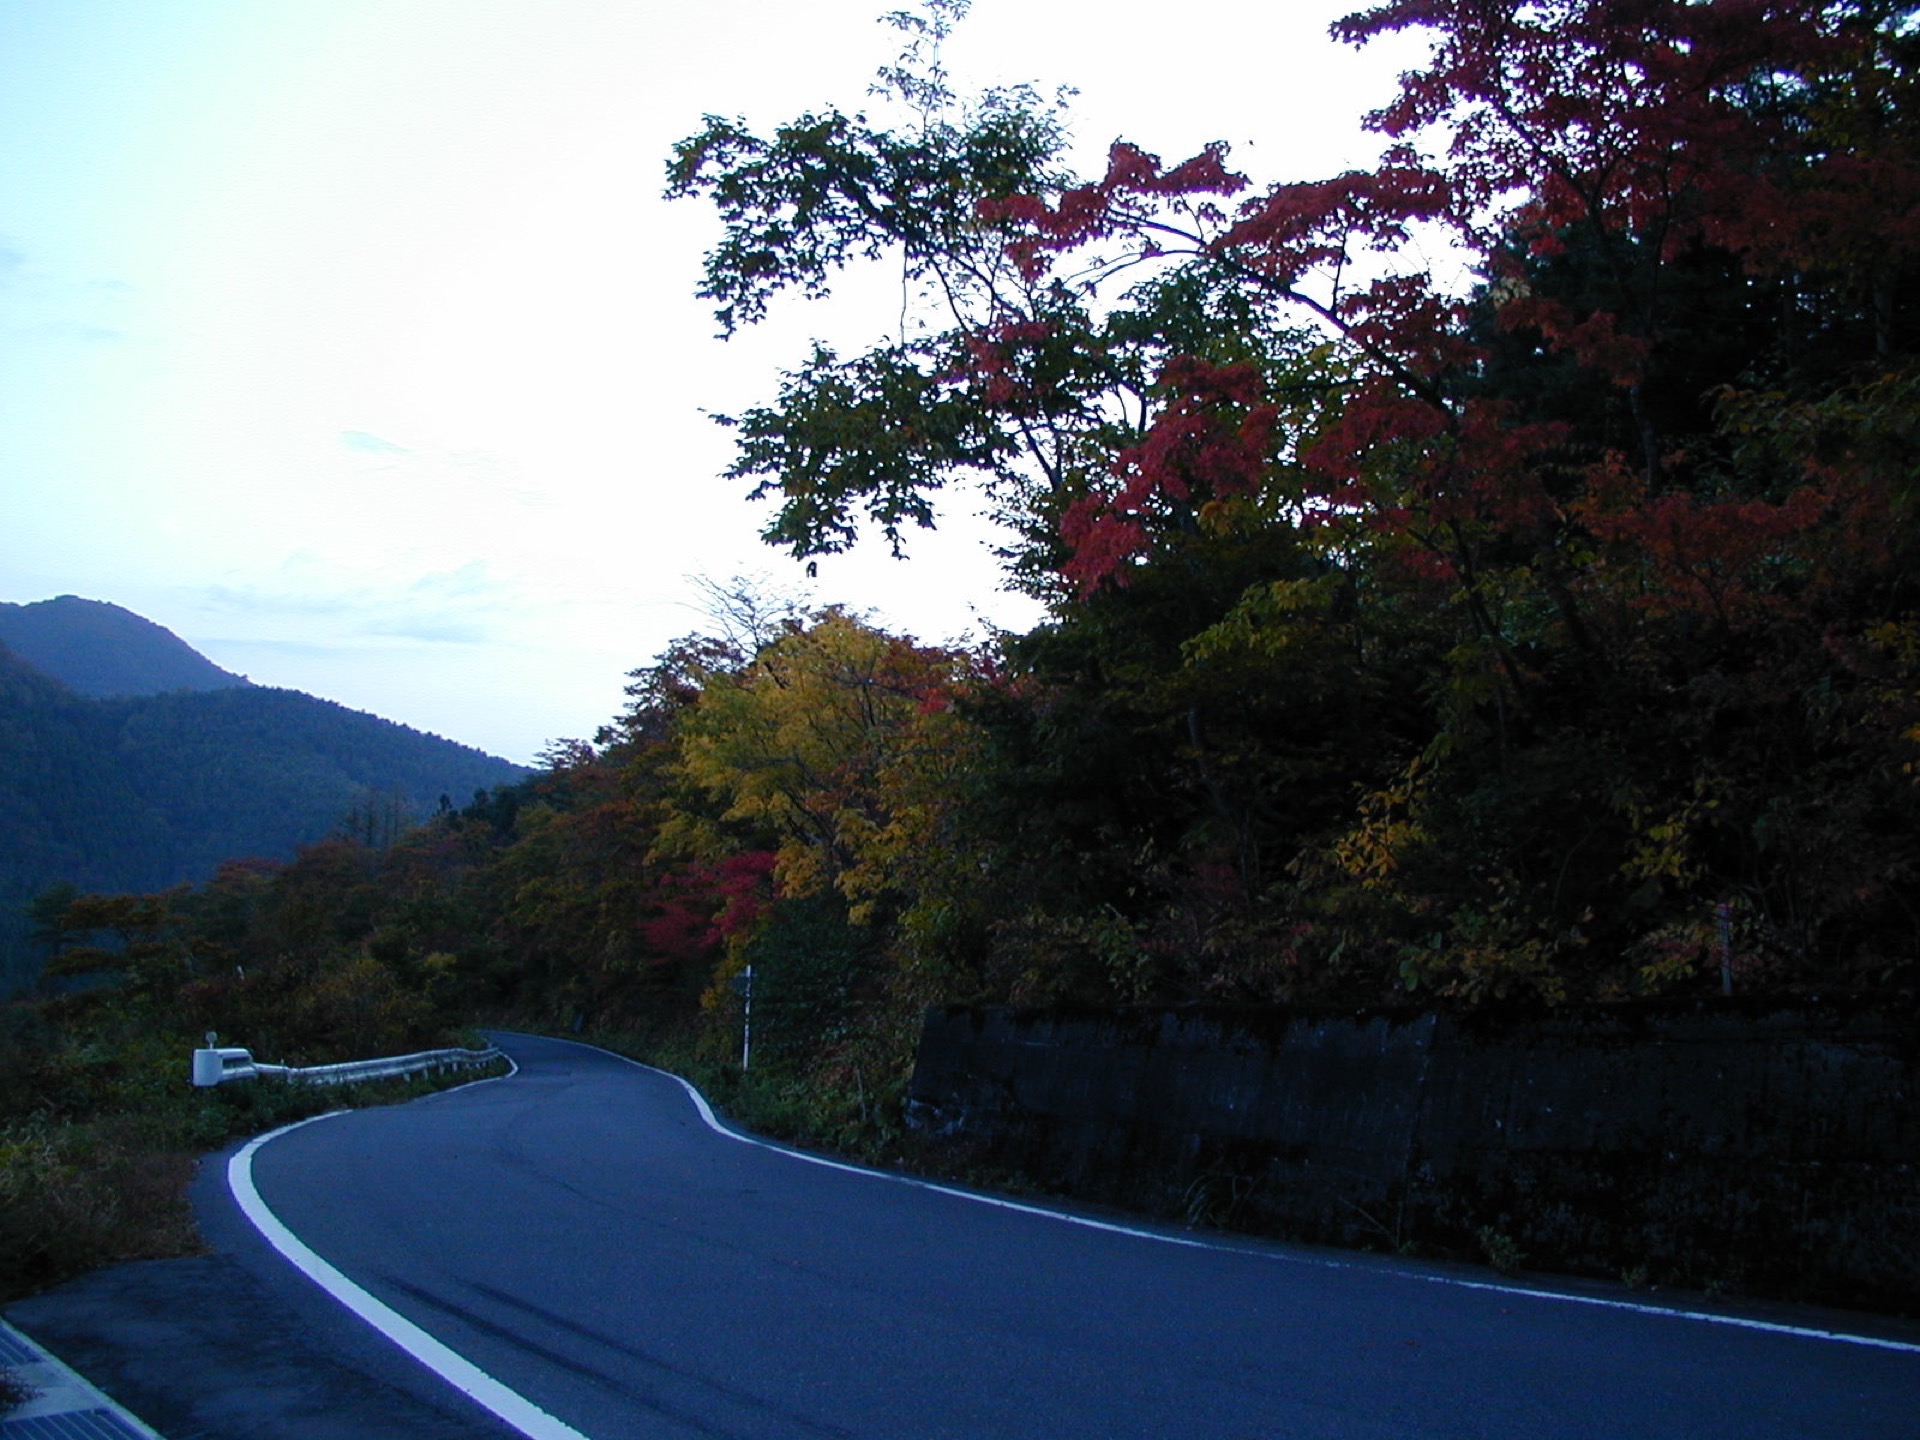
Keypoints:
pixel 1483 578
pixel 142 788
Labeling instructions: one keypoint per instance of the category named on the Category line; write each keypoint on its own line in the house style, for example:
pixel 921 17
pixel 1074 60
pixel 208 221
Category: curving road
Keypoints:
pixel 584 1238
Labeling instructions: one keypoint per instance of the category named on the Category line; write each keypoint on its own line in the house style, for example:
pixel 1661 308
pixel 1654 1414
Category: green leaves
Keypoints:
pixel 870 436
pixel 828 189
pixel 795 208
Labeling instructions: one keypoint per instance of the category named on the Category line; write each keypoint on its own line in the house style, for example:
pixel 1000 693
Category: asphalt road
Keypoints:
pixel 587 1240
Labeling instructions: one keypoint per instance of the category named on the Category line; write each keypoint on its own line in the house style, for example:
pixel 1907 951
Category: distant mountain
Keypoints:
pixel 146 791
pixel 105 651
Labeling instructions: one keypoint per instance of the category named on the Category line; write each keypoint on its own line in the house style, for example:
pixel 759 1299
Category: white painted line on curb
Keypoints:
pixel 1705 1317
pixel 509 1405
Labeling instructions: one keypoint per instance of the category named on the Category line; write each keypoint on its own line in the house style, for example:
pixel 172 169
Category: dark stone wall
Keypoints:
pixel 1768 1150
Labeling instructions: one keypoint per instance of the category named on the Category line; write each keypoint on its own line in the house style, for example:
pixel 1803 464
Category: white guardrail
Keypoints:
pixel 216 1065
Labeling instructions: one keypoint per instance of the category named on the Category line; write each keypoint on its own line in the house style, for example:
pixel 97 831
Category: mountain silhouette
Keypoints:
pixel 105 651
pixel 131 762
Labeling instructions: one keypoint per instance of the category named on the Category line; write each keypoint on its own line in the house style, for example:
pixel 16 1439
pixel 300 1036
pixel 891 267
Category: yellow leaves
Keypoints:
pixel 1389 828
pixel 1662 852
pixel 823 742
pixel 1893 662
pixel 1899 642
pixel 724 994
pixel 1663 849
pixel 803 869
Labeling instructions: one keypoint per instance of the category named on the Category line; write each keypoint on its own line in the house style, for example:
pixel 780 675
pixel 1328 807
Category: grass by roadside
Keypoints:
pixel 100 1144
pixel 832 1108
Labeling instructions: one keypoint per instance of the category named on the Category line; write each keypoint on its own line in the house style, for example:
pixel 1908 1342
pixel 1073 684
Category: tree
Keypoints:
pixel 797 744
pixel 1614 515
pixel 1002 372
pixel 47 918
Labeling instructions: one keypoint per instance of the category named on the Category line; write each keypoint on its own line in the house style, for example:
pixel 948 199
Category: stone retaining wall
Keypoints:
pixel 1774 1150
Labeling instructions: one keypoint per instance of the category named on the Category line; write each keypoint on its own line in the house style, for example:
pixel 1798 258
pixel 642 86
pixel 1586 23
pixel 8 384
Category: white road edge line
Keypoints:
pixel 1705 1317
pixel 509 1405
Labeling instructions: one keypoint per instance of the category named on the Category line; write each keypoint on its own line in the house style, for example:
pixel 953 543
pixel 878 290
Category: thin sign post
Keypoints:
pixel 1725 917
pixel 743 987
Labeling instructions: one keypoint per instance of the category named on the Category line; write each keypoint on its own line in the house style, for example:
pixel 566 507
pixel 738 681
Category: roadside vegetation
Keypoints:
pixel 100 1129
pixel 1548 637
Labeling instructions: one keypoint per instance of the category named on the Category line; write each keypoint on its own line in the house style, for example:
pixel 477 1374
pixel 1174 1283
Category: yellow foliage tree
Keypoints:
pixel 815 742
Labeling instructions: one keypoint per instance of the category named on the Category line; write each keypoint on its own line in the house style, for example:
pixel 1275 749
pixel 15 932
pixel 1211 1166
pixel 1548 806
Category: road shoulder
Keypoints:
pixel 235 1345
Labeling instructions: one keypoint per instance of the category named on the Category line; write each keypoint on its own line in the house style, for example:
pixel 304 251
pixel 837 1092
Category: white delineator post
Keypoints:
pixel 214 1064
pixel 743 987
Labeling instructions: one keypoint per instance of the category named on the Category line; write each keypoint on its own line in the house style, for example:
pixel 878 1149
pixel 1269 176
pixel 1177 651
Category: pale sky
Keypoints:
pixel 352 341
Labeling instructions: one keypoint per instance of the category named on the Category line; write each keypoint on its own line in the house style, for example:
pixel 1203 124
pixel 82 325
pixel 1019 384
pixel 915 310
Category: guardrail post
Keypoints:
pixel 206 1063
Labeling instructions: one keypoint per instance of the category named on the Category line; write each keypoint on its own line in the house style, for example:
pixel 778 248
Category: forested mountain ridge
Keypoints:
pixel 104 650
pixel 145 792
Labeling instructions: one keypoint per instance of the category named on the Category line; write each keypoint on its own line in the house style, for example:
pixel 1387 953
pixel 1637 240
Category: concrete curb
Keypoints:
pixel 65 1406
